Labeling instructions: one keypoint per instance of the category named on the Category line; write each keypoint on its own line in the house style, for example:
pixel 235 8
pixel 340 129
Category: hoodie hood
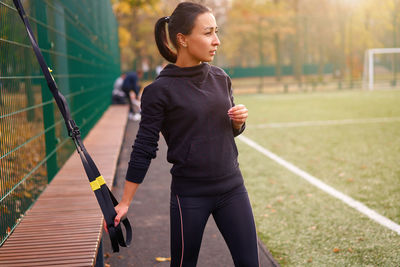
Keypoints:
pixel 196 73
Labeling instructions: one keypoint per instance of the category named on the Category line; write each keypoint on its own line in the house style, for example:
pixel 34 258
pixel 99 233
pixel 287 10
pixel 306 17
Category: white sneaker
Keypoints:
pixel 137 117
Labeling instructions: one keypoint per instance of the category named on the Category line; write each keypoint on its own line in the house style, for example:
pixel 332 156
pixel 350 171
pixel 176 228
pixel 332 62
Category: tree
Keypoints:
pixel 134 29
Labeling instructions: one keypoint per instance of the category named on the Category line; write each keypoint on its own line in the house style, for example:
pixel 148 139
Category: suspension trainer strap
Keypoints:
pixel 103 194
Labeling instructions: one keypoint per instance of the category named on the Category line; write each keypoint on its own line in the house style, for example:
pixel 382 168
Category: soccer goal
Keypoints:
pixel 370 65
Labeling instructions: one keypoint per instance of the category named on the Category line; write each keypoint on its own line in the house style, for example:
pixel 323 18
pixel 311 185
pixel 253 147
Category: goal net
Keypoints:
pixel 381 68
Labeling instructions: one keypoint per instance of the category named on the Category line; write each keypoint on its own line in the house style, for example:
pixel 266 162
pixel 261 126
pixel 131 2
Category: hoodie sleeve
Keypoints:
pixel 236 132
pixel 146 143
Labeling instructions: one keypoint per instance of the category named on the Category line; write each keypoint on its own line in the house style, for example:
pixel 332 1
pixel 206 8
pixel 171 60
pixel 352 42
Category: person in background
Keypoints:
pixel 160 67
pixel 131 83
pixel 119 96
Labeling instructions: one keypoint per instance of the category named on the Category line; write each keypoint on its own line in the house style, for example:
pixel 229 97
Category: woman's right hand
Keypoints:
pixel 121 210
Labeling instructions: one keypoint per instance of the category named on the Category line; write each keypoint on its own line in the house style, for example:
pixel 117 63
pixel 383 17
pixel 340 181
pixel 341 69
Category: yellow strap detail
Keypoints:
pixel 100 179
pixel 95 185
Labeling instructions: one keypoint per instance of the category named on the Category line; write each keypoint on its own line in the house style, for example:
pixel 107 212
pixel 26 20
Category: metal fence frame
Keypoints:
pixel 79 40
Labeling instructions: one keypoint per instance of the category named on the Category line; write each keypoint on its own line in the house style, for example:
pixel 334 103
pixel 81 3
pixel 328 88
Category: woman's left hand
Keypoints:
pixel 238 115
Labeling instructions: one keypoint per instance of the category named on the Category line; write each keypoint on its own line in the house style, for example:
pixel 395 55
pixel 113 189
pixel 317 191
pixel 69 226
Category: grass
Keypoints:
pixel 300 224
pixel 310 83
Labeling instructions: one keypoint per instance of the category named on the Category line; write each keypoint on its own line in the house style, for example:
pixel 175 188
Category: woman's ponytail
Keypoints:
pixel 162 41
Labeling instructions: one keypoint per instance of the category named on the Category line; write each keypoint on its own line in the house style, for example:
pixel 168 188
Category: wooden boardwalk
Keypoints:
pixel 64 226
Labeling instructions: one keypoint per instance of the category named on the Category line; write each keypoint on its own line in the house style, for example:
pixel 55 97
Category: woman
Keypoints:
pixel 191 103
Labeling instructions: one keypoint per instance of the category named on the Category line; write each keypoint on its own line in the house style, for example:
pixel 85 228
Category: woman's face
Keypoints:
pixel 203 41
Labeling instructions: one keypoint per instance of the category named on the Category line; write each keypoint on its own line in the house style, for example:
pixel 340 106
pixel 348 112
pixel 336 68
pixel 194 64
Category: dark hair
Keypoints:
pixel 181 21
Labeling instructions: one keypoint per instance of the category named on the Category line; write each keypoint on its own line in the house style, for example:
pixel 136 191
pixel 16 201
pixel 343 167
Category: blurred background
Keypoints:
pixel 293 44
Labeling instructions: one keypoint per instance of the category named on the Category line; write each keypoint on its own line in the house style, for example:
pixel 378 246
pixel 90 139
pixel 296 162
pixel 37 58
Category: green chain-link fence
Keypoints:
pixel 79 40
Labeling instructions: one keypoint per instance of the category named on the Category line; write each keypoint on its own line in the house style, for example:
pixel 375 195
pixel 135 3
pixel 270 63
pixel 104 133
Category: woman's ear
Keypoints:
pixel 182 40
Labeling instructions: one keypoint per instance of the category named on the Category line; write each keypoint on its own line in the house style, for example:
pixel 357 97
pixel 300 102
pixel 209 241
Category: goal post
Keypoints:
pixel 368 74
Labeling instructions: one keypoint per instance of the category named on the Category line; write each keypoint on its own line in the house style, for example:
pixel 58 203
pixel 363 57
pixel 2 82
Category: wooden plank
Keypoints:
pixel 36 238
pixel 54 262
pixel 43 251
pixel 50 246
pixel 81 254
pixel 51 243
pixel 53 232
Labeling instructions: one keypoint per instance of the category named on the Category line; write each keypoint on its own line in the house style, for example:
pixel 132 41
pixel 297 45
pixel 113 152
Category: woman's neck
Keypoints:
pixel 184 62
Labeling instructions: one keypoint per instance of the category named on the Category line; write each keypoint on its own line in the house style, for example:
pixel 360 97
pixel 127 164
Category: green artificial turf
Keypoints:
pixel 300 224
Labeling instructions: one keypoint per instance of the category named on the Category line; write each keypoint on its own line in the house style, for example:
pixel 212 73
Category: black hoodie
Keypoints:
pixel 189 106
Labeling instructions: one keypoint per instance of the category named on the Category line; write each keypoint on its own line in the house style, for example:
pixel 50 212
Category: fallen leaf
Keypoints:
pixel 309 259
pixel 341 174
pixel 106 255
pixel 336 250
pixel 313 227
pixel 120 257
pixel 107 265
pixel 350 250
pixel 162 259
pixel 265 215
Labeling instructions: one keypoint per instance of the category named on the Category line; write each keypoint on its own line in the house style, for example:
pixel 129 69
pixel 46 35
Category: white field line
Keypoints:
pixel 328 189
pixel 323 123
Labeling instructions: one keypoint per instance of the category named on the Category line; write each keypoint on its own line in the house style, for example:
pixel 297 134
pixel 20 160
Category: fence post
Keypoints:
pixel 48 109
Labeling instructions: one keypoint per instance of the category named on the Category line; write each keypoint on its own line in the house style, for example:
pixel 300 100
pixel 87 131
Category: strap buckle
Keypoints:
pixel 73 129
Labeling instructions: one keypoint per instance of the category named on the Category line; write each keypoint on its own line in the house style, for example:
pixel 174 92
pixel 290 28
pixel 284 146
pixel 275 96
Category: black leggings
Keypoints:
pixel 233 216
